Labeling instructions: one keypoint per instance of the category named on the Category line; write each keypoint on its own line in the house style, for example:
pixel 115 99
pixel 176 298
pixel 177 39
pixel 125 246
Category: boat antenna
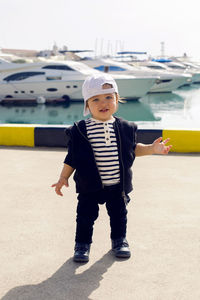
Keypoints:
pixel 162 49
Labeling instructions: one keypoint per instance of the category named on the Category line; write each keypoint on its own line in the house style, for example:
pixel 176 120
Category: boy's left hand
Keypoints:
pixel 159 146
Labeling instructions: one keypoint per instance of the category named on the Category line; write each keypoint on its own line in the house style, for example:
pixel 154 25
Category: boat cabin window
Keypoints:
pixel 156 67
pixel 58 67
pixel 52 89
pixel 53 78
pixel 22 76
pixel 177 67
pixel 158 81
pixel 111 68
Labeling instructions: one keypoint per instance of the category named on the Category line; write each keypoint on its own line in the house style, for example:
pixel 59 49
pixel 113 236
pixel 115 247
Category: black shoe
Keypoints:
pixel 120 247
pixel 81 253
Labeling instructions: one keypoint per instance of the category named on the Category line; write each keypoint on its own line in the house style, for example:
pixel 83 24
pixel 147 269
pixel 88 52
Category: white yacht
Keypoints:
pixel 143 82
pixel 169 80
pixel 50 80
pixel 152 73
pixel 183 68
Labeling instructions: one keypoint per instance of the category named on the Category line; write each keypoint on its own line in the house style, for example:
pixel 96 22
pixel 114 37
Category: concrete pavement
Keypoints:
pixel 37 232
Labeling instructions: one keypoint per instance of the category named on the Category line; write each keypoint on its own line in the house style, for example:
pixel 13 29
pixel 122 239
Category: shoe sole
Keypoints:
pixel 122 255
pixel 80 259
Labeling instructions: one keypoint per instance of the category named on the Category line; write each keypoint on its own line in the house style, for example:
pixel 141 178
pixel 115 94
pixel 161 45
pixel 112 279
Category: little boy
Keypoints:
pixel 101 150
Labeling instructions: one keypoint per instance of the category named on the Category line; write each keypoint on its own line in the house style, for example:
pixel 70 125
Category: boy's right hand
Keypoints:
pixel 58 186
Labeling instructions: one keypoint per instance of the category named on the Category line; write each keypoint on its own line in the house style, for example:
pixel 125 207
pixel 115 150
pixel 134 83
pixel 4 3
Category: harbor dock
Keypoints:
pixel 37 232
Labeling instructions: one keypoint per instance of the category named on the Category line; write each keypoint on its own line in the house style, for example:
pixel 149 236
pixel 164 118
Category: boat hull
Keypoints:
pixel 132 88
pixel 168 85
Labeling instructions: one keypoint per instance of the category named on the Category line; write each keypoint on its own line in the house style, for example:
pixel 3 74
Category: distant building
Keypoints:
pixel 20 52
pixel 44 53
pixel 34 53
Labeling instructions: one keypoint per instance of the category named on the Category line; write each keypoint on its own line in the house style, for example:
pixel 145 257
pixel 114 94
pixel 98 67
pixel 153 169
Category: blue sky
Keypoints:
pixel 108 25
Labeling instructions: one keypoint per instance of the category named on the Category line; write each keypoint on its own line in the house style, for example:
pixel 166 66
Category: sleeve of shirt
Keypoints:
pixel 70 159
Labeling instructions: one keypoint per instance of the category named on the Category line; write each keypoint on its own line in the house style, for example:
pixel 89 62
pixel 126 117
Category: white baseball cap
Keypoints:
pixel 93 86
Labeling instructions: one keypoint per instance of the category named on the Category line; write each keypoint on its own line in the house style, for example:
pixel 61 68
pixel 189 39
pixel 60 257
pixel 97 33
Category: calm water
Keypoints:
pixel 180 109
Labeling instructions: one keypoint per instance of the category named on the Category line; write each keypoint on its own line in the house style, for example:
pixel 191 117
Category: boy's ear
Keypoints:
pixel 117 98
pixel 87 106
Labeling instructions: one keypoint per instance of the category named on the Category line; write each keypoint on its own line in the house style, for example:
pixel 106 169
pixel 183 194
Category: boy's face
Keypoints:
pixel 103 106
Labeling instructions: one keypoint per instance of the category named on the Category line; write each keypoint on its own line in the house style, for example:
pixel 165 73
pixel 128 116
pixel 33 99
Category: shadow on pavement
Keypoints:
pixel 65 284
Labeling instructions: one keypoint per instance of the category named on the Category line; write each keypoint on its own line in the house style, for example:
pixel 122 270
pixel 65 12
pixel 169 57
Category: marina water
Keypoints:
pixel 177 110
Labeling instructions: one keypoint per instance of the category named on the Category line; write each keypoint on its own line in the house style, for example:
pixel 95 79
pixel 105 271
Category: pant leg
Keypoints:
pixel 87 213
pixel 117 212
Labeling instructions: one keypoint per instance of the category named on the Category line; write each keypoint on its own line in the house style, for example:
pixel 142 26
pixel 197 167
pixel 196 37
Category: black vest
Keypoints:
pixel 81 156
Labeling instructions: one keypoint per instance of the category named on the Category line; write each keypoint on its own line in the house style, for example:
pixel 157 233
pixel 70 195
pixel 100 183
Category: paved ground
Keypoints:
pixel 37 233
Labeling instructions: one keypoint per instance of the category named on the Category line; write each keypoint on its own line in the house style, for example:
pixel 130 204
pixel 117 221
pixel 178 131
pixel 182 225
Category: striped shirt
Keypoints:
pixel 103 141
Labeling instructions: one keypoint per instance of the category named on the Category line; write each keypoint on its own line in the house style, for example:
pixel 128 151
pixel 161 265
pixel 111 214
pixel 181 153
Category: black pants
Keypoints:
pixel 88 211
